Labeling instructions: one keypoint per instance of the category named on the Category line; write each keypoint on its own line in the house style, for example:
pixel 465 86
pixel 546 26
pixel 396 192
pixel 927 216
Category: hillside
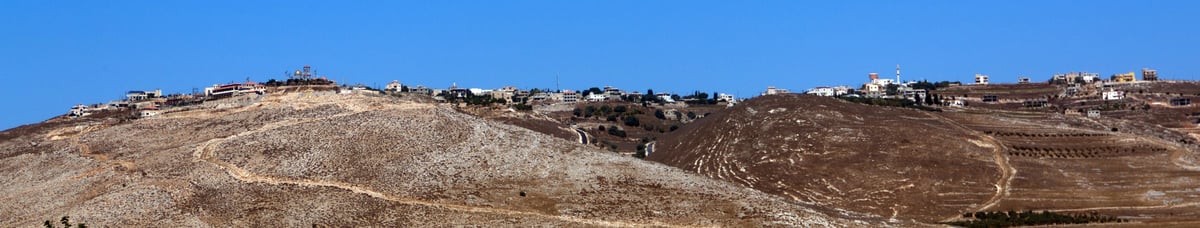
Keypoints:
pixel 303 159
pixel 889 161
pixel 933 166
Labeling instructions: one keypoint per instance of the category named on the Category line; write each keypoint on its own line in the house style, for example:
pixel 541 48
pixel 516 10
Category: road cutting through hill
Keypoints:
pixel 205 152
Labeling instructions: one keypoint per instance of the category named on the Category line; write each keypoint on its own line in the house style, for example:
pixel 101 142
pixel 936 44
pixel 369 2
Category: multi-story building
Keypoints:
pixel 1126 77
pixel 1149 74
pixel 981 79
pixel 393 86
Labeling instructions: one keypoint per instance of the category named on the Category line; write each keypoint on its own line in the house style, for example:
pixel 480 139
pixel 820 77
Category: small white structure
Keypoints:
pixel 1113 95
pixel 771 90
pixel 597 97
pixel 957 103
pixel 725 97
pixel 981 79
pixel 666 97
pixel 1093 113
pixel 79 110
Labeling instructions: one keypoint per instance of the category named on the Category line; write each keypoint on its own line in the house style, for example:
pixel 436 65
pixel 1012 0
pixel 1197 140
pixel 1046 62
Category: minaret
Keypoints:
pixel 897 73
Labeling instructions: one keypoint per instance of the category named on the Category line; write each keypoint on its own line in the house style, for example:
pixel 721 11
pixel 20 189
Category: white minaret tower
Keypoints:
pixel 898 74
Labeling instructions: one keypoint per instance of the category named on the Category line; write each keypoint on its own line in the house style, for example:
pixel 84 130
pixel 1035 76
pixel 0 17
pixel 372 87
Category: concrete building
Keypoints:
pixel 143 95
pixel 1022 80
pixel 1113 95
pixel 1126 77
pixel 1149 74
pixel 569 96
pixel 597 97
pixel 771 90
pixel 1181 102
pixel 981 79
pixel 393 86
pixel 822 91
pixel 420 89
pixel 1093 113
pixel 666 97
pixel 1077 77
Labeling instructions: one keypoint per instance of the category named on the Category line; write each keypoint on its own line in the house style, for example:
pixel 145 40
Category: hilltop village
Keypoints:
pixel 1117 149
pixel 1045 95
pixel 151 103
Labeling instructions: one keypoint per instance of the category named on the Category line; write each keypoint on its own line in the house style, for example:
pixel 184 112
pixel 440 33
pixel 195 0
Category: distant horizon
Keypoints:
pixel 85 52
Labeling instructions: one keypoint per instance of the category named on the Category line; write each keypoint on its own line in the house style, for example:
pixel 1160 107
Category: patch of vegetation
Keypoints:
pixel 522 107
pixel 613 130
pixel 1029 218
pixel 903 103
pixel 66 222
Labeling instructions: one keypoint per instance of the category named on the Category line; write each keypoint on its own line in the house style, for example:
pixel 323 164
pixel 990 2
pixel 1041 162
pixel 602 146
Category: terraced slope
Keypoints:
pixel 1074 164
pixel 350 160
pixel 892 162
pixel 935 166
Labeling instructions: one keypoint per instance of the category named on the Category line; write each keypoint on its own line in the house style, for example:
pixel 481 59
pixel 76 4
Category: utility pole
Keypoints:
pixel 557 86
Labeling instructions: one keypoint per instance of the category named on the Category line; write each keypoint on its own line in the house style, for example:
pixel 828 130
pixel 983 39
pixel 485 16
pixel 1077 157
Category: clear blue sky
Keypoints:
pixel 54 54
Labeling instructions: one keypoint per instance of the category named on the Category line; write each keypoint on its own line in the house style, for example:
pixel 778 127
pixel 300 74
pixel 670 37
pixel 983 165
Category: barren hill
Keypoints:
pixel 889 161
pixel 932 166
pixel 300 159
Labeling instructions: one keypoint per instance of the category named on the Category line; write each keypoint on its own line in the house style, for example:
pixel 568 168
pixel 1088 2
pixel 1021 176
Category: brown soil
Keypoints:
pixel 356 160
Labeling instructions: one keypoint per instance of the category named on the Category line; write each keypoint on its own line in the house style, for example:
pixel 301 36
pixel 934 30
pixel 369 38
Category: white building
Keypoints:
pixel 1113 95
pixel 597 97
pixel 822 91
pixel 981 79
pixel 393 86
pixel 666 97
pixel 771 90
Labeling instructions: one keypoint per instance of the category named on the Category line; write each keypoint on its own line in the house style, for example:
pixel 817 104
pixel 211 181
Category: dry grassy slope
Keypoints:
pixel 887 161
pixel 357 161
pixel 1141 172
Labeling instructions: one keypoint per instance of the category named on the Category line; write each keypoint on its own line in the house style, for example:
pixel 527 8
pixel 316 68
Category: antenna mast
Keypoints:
pixel 556 83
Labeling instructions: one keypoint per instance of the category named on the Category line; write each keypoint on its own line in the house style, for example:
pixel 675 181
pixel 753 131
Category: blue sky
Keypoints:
pixel 54 54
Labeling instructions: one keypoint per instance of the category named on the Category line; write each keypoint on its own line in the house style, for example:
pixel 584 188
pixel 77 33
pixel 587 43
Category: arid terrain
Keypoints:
pixel 318 159
pixel 935 166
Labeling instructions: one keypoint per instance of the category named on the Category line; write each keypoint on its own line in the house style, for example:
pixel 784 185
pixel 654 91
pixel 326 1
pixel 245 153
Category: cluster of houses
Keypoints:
pixel 878 87
pixel 514 95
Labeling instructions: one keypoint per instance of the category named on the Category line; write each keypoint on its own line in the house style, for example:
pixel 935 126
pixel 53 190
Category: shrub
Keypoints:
pixel 613 130
pixel 658 113
pixel 632 121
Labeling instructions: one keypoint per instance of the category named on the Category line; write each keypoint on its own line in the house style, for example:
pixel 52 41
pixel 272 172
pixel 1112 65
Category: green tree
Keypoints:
pixel 658 113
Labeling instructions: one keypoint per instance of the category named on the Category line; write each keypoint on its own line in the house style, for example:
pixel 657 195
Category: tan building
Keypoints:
pixel 1126 77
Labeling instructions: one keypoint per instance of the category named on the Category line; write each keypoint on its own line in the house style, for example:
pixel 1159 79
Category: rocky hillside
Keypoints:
pixel 935 166
pixel 893 162
pixel 300 159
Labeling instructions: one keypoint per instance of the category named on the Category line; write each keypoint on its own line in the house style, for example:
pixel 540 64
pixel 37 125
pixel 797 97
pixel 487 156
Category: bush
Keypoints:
pixel 658 113
pixel 619 109
pixel 611 118
pixel 613 130
pixel 523 107
pixel 674 127
pixel 632 121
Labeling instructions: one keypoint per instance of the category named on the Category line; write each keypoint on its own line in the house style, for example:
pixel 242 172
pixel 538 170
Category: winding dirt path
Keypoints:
pixel 1007 172
pixel 205 152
